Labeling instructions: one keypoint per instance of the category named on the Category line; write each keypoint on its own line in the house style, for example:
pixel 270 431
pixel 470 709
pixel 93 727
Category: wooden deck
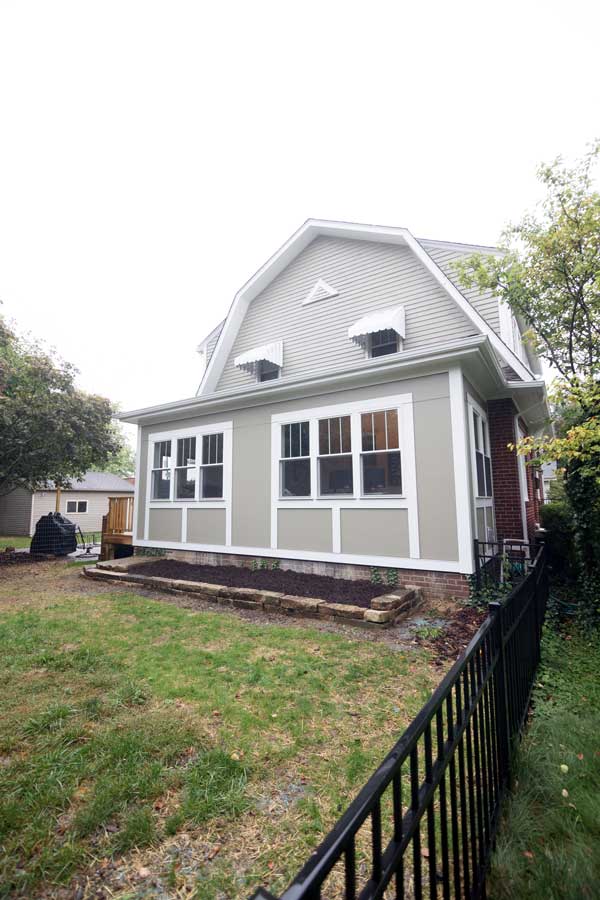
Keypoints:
pixel 117 526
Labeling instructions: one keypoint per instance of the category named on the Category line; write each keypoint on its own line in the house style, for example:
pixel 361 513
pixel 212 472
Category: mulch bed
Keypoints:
pixel 457 634
pixel 299 584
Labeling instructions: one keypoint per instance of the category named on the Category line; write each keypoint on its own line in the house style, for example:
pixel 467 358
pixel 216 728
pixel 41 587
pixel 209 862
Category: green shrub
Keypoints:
pixel 557 520
pixel 376 576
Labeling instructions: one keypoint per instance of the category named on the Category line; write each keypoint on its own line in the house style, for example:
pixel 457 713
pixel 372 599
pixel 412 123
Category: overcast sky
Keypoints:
pixel 154 155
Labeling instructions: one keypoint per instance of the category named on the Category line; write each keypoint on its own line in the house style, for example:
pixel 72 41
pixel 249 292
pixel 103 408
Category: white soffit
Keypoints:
pixel 321 291
pixel 385 319
pixel 272 353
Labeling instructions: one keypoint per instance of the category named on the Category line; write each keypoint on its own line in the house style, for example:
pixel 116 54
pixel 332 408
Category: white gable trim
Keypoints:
pixel 311 229
pixel 321 291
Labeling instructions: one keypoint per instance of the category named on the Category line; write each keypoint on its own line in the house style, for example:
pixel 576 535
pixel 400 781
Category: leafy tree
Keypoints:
pixel 549 274
pixel 49 430
pixel 122 461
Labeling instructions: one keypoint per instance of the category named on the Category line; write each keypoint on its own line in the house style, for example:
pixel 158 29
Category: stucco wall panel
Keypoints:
pixel 165 525
pixel 304 529
pixel 206 526
pixel 380 532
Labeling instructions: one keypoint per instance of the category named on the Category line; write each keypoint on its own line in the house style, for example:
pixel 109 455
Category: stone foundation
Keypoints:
pixel 432 585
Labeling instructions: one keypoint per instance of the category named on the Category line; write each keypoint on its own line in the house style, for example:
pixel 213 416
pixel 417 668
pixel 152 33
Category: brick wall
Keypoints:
pixel 505 469
pixel 433 585
pixel 532 505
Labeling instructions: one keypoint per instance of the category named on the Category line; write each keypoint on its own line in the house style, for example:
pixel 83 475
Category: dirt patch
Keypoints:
pixel 456 634
pixel 298 584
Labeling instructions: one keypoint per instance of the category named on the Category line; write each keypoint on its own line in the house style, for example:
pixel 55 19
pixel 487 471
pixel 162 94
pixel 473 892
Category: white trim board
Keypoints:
pixel 311 229
pixel 197 503
pixel 391 562
pixel 464 520
pixel 403 403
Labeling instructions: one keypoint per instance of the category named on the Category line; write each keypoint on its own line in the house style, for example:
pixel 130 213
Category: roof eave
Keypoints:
pixel 283 389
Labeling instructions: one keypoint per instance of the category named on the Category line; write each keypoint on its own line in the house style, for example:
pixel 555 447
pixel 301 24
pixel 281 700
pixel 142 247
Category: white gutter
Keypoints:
pixel 283 388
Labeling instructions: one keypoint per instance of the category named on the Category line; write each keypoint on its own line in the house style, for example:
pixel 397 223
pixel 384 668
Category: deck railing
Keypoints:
pixel 119 519
pixel 425 824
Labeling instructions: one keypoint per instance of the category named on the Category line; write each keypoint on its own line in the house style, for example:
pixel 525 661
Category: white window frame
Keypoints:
pixel 77 511
pixel 403 404
pixel 161 468
pixel 224 502
pixel 283 459
pixel 209 465
pixel 339 455
pixel 374 452
pixel 486 503
pixel 369 344
pixel 184 468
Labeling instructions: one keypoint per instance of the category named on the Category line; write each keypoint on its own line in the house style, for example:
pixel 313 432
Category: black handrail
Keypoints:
pixel 456 782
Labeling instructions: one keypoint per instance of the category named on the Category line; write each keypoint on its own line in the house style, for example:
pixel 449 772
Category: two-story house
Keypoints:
pixel 354 411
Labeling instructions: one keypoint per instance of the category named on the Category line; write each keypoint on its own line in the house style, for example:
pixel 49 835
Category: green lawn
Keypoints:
pixel 20 542
pixel 15 541
pixel 549 842
pixel 144 743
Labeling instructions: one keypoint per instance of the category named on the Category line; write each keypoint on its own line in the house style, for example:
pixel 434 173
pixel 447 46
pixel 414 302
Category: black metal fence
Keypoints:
pixel 502 563
pixel 424 825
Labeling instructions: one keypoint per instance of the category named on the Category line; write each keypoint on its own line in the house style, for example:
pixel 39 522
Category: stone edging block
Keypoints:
pixel 384 612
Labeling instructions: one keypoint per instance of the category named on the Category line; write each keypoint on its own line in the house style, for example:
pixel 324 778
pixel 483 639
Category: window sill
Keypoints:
pixel 328 498
pixel 190 500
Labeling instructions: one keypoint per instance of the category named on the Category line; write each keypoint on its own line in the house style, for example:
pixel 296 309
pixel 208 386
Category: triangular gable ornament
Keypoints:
pixel 321 291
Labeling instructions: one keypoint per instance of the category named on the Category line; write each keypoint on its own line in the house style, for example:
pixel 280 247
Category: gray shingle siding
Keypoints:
pixel 485 304
pixel 212 342
pixel 369 276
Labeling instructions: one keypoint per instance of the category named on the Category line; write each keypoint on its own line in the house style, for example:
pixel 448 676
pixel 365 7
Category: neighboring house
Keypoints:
pixel 354 411
pixel 549 476
pixel 84 503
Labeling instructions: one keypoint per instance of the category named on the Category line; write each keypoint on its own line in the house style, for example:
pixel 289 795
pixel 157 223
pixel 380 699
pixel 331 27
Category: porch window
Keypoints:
pixel 381 465
pixel 185 473
pixel 335 456
pixel 481 473
pixel 295 460
pixel 161 471
pixel 211 469
pixel 483 463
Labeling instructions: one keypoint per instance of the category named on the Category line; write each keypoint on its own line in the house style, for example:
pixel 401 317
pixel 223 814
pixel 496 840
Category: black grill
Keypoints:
pixel 54 535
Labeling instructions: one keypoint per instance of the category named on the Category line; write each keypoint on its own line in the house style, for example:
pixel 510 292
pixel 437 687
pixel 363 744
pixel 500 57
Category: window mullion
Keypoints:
pixel 355 446
pixel 313 446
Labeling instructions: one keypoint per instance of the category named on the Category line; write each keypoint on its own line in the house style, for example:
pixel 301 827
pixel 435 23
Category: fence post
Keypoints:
pixel 477 565
pixel 495 610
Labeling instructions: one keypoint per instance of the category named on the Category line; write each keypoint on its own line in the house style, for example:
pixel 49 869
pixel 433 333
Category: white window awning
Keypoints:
pixel 385 319
pixel 249 360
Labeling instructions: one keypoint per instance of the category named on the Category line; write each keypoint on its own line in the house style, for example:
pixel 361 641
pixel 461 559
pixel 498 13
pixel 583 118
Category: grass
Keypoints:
pixel 132 730
pixel 20 542
pixel 17 541
pixel 549 841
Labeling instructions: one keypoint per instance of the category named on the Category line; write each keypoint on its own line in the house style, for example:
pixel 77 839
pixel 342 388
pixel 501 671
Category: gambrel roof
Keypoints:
pixel 313 228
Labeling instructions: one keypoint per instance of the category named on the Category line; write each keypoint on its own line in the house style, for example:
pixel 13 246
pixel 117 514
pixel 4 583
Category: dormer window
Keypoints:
pixel 380 333
pixel 383 342
pixel 265 362
pixel 267 371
